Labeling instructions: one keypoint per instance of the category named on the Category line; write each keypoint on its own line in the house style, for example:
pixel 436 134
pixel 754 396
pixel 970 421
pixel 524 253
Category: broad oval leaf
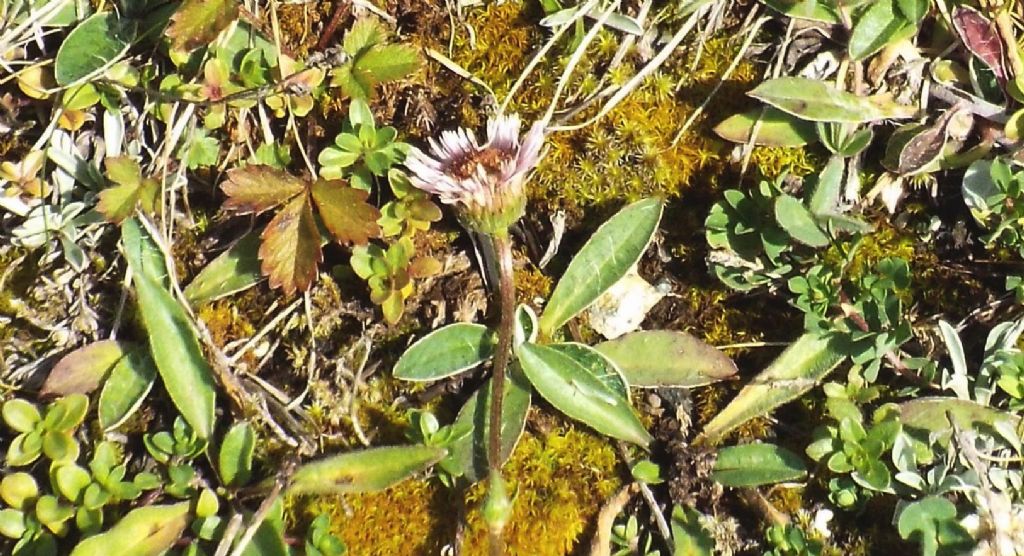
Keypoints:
pixel 804 9
pixel 470 451
pixel 126 388
pixel 569 387
pixel 798 221
pixel 234 270
pixel 757 464
pixel 878 26
pixel 95 43
pixel 146 531
pixel 363 471
pixel 818 101
pixel 82 370
pixel 235 458
pixel 666 358
pixel 776 128
pixel 796 370
pixel 179 358
pixel 933 414
pixel 597 364
pixel 446 351
pixel 606 257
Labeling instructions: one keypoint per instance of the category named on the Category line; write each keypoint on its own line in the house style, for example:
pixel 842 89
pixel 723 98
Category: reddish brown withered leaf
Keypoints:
pixel 198 22
pixel 256 188
pixel 345 212
pixel 82 370
pixel 979 35
pixel 290 251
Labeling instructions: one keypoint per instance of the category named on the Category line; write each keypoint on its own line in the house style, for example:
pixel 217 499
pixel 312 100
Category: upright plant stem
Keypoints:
pixel 506 308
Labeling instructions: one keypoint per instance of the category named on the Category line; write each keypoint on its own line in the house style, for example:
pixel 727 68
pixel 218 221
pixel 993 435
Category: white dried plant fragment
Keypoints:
pixel 624 306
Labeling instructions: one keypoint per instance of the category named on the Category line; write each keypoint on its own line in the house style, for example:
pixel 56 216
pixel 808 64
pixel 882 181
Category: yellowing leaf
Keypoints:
pixel 149 530
pixel 345 212
pixel 82 370
pixel 198 22
pixel 290 251
pixel 386 63
pixel 118 202
pixel 256 188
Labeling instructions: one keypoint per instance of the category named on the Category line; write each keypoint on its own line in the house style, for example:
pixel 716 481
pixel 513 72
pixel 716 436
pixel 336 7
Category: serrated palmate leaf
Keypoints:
pixel 126 388
pixel 256 188
pixel 818 101
pixel 666 358
pixel 757 464
pixel 575 392
pixel 232 271
pixel 146 531
pixel 384 63
pixel 366 32
pixel 290 252
pixel 198 22
pixel 186 375
pixel 345 212
pixel 470 451
pixel 446 351
pixel 96 42
pixel 775 128
pixel 83 370
pixel 234 461
pixel 363 471
pixel 796 370
pixel 606 257
pixel 129 190
pixel 798 221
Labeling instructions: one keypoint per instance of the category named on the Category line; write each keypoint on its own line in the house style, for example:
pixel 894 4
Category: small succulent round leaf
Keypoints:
pixel 20 415
pixel 235 457
pixel 60 446
pixel 17 489
pixel 24 449
pixel 208 505
pixel 72 410
pixel 71 480
pixel 12 523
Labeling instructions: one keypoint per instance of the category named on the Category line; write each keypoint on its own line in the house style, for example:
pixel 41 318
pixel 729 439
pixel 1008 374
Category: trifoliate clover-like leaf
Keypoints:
pixel 345 212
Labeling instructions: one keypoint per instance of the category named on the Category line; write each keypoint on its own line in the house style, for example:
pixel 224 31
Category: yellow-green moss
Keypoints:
pixel 560 482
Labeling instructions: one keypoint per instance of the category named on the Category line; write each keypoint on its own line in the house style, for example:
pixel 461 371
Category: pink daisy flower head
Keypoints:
pixel 483 182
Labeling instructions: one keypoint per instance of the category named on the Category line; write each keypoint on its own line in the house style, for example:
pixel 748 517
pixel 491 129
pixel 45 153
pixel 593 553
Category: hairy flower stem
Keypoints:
pixel 506 308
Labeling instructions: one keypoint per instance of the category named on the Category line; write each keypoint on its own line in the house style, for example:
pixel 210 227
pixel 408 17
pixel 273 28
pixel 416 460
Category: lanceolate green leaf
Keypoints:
pixel 821 102
pixel 796 370
pixel 234 461
pixel 597 364
pixel 446 352
pixel 470 451
pixel 577 393
pixel 95 43
pixel 757 464
pixel 666 358
pixel 775 128
pixel 804 9
pixel 146 531
pixel 613 249
pixel 179 358
pixel 932 414
pixel 127 386
pixel 232 271
pixel 364 471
